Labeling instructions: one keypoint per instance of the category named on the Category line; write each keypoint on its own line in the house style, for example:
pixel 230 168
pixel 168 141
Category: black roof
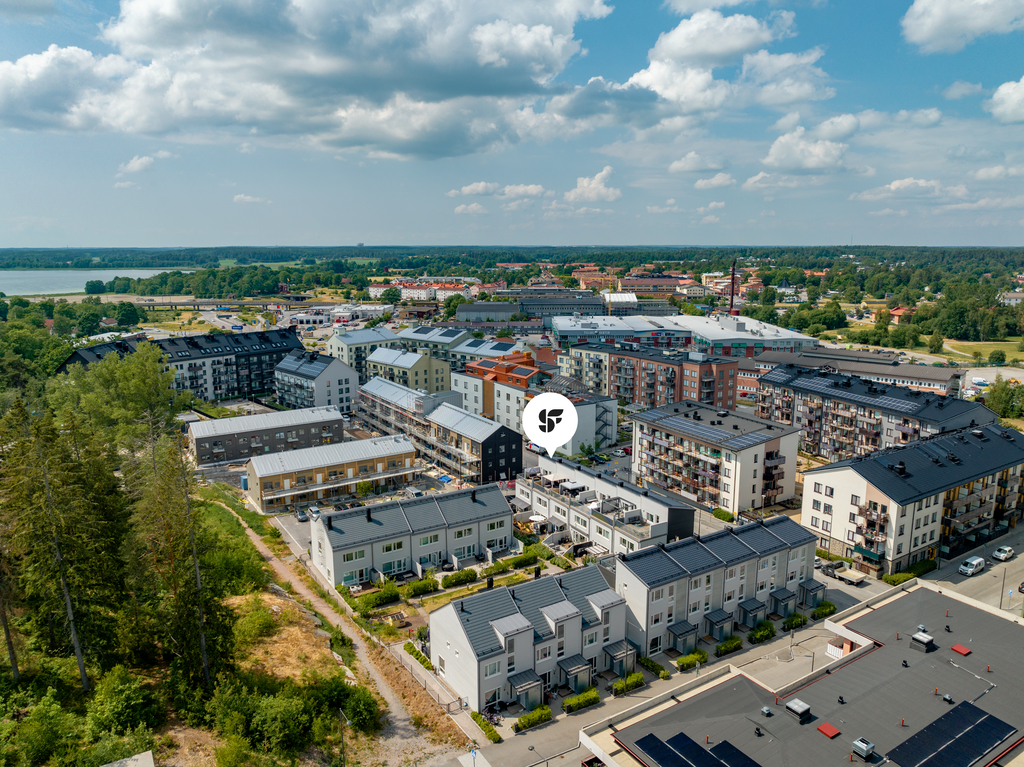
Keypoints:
pixel 194 347
pixel 935 464
pixel 304 364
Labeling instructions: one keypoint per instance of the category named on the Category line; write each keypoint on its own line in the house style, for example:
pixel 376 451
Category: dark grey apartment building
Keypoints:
pixel 242 438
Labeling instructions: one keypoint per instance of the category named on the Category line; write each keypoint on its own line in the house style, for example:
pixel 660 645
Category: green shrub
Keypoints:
pixel 423 659
pixel 912 571
pixel 823 610
pixel 530 719
pixel 764 631
pixel 280 723
pixel 387 594
pixel 898 578
pixel 497 568
pixel 419 588
pixel 47 731
pixel 460 578
pixel 731 643
pixel 794 621
pixel 690 661
pixel 255 622
pixel 112 748
pixel 653 666
pixel 722 514
pixel 589 697
pixel 523 560
pixel 631 682
pixel 540 550
pixel 832 557
pixel 489 731
pixel 234 753
pixel 121 704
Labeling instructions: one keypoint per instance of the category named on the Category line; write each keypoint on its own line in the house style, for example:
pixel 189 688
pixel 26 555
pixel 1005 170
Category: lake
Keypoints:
pixel 31 282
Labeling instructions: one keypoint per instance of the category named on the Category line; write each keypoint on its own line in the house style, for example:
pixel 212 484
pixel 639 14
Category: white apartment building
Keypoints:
pixel 444 293
pixel 353 347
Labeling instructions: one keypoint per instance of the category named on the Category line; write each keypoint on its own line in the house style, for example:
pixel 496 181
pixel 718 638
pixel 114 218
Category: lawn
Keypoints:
pixel 986 348
pixel 432 603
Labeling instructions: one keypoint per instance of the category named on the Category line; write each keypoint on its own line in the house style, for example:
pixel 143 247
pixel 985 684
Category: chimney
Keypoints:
pixel 536 573
pixel 462 606
pixel 330 523
pixel 490 582
pixel 368 517
pixel 472 496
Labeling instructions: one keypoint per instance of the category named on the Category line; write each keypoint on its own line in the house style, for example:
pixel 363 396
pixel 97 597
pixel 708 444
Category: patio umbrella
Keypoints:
pixel 538 518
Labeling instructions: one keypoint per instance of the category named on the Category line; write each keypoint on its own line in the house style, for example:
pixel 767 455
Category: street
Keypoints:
pixel 997 585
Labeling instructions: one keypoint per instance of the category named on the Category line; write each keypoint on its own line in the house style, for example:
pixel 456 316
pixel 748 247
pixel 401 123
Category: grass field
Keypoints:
pixel 986 348
pixel 273 264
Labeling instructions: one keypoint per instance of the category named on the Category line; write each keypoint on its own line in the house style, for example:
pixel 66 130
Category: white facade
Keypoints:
pixel 418 292
pixel 443 294
pixel 353 347
pixel 337 384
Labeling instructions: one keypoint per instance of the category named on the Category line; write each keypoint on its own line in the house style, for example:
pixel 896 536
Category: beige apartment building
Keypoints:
pixel 412 369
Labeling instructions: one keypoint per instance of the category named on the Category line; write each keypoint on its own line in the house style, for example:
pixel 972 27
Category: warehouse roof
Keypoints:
pixel 310 458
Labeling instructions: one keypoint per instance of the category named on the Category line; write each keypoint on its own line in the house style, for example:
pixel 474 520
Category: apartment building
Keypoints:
pixel 597 414
pixel 389 539
pixel 478 349
pixel 844 416
pixel 354 346
pixel 936 497
pixel 488 384
pixel 486 311
pixel 225 440
pixel 627 305
pixel 317 475
pixel 715 458
pixel 599 513
pixel 308 379
pixel 748 379
pixel 880 367
pixel 697 587
pixel 490 288
pixel 417 371
pixel 592 280
pixel 515 644
pixel 465 445
pixel 213 367
pixel 438 342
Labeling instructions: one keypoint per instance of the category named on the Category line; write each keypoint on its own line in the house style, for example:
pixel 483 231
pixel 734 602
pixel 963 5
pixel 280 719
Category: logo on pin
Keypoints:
pixel 550 420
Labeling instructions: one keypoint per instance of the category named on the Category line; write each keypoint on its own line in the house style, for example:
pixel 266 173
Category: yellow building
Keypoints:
pixel 417 371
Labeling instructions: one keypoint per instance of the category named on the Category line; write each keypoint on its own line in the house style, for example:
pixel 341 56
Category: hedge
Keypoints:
pixel 690 661
pixel 913 571
pixel 487 727
pixel 731 643
pixel 631 682
pixel 832 557
pixel 419 588
pixel 794 621
pixel 387 594
pixel 589 697
pixel 764 631
pixel 460 578
pixel 722 514
pixel 498 568
pixel 823 610
pixel 530 719
pixel 653 666
pixel 543 552
pixel 423 659
pixel 522 560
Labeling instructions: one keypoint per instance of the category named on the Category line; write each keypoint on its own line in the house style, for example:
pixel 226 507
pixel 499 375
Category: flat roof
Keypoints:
pixel 310 458
pixel 732 430
pixel 279 419
pixel 365 336
pixel 718 328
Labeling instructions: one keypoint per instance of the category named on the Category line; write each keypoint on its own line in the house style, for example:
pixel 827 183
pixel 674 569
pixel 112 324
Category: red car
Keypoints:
pixel 627 450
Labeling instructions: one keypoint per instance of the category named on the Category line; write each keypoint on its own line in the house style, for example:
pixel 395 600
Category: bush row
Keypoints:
pixel 731 643
pixel 423 659
pixel 913 571
pixel 653 666
pixel 489 731
pixel 832 557
pixel 794 621
pixel 419 588
pixel 460 578
pixel 823 610
pixel 631 682
pixel 589 697
pixel 385 595
pixel 690 661
pixel 764 631
pixel 530 719
pixel 722 514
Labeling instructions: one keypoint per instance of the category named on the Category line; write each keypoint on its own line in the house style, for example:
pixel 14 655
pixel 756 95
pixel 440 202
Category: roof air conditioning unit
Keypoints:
pixel 864 748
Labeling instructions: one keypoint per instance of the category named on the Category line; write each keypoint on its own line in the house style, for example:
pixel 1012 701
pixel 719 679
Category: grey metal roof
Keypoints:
pixel 752 605
pixel 475 427
pixel 783 595
pixel 531 596
pixel 737 431
pixel 760 539
pixel 692 556
pixel 483 348
pixel 789 531
pixel 929 467
pixel 432 335
pixel 311 458
pixel 718 617
pixel 682 628
pixel 277 419
pixel 394 357
pixel 405 398
pixel 511 624
pixel 812 586
pixel 727 547
pixel 574 664
pixel 619 649
pixel 602 600
pixel 652 566
pixel 525 680
pixel 368 336
pixel 560 611
pixel 584 589
pixel 476 614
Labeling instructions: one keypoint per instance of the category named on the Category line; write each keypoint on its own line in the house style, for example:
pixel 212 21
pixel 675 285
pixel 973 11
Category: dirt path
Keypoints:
pixel 399 743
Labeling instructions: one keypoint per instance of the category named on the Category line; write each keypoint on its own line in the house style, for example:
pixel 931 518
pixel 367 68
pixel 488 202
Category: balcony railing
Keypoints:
pixel 777 461
pixel 329 484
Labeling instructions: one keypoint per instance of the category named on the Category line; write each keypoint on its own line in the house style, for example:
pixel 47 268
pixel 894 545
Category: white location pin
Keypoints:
pixel 550 420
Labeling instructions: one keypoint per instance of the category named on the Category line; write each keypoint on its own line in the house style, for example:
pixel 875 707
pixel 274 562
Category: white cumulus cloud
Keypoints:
pixel 715 182
pixel 887 212
pixel 593 188
pixel 792 151
pixel 909 188
pixel 669 207
pixel 949 25
pixel 125 185
pixel 135 165
pixel 960 89
pixel 708 38
pixel 693 162
pixel 711 206
pixel 997 172
pixel 473 209
pixel 1007 103
pixel 710 220
pixel 246 199
pixel 787 122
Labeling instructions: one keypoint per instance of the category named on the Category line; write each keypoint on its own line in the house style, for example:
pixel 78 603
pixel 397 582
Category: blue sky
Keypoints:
pixel 519 122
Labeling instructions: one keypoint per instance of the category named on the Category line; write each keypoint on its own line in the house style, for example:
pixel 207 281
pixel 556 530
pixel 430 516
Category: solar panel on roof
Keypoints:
pixel 475 343
pixel 503 347
pixel 732 756
pixel 962 735
pixel 423 331
pixel 692 752
pixel 522 371
pixel 451 333
pixel 659 755
pixel 825 387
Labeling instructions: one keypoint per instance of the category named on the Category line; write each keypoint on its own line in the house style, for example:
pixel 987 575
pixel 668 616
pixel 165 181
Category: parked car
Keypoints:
pixel 301 516
pixel 817 563
pixel 840 571
pixel 1003 553
pixel 971 566
pixel 314 513
pixel 1020 588
pixel 619 453
pixel 602 457
pixel 627 450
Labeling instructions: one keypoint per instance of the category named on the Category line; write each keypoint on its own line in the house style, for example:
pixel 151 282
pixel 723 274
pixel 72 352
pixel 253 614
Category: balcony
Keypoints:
pixel 875 553
pixel 911 430
pixel 337 482
pixel 777 461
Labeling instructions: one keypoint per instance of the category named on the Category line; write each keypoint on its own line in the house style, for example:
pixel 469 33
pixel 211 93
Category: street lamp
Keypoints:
pixel 544 758
pixel 342 719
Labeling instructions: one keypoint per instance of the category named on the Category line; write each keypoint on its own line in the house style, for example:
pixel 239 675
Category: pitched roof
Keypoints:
pixel 475 427
pixel 376 335
pixel 394 357
pixel 405 398
pixel 310 458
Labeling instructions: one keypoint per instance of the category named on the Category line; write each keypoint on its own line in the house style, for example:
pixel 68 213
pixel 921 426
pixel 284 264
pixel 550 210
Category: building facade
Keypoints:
pixel 353 347
pixel 844 416
pixel 489 384
pixel 478 349
pixel 438 342
pixel 226 440
pixel 936 497
pixel 308 379
pixel 320 475
pixel 417 371
pixel 715 458
pixel 388 539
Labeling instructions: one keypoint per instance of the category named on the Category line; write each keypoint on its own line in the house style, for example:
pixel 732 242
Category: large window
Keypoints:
pixel 492 669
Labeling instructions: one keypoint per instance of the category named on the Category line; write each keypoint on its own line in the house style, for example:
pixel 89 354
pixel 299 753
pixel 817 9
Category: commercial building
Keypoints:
pixel 225 440
pixel 316 475
pixel 720 335
pixel 698 587
pixel 940 496
pixel 880 367
pixel 389 539
pixel 308 379
pixel 486 311
pixel 213 367
pixel 715 458
pixel 516 644
pixel 843 416
pixel 627 305
pixel 354 346
pixel 350 312
pixel 417 371
pixel 438 342
pixel 465 445
pixel 921 679
pixel 597 512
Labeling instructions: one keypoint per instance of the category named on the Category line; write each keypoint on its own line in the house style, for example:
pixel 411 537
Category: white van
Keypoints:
pixel 979 381
pixel 972 566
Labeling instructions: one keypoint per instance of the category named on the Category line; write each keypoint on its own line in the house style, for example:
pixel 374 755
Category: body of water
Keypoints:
pixel 31 282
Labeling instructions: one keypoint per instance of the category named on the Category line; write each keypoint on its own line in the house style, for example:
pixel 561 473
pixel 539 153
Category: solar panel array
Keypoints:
pixel 683 751
pixel 702 431
pixel 825 387
pixel 475 343
pixel 961 736
pixel 451 333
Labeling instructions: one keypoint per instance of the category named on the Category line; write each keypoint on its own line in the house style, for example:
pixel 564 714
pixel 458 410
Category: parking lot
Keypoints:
pixel 997 585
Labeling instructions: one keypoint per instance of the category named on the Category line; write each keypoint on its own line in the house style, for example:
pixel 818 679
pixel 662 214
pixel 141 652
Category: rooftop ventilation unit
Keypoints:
pixel 799 710
pixel 864 748
pixel 922 642
pixel 722 413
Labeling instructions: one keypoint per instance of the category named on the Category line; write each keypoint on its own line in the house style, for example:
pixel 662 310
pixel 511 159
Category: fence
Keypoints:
pixel 445 699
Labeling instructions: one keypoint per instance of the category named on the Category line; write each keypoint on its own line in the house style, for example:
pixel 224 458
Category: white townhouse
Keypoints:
pixel 514 644
pixel 390 539
pixel 679 592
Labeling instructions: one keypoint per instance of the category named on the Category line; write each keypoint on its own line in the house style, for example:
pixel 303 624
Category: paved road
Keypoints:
pixel 993 584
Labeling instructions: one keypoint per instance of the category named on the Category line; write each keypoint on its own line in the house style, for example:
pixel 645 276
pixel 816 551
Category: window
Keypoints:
pixel 817 487
pixel 492 669
pixel 607 635
pixel 657 595
pixel 656 619
pixel 463 533
pixel 561 648
pixel 816 504
pixel 730 596
pixel 590 639
pixel 351 556
pixel 899 548
pixel 828 508
pixel 694 607
pixel 397 545
pixel 828 491
pixel 826 526
pixel 426 540
pixel 855 500
pixel 543 653
pixel 496 525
